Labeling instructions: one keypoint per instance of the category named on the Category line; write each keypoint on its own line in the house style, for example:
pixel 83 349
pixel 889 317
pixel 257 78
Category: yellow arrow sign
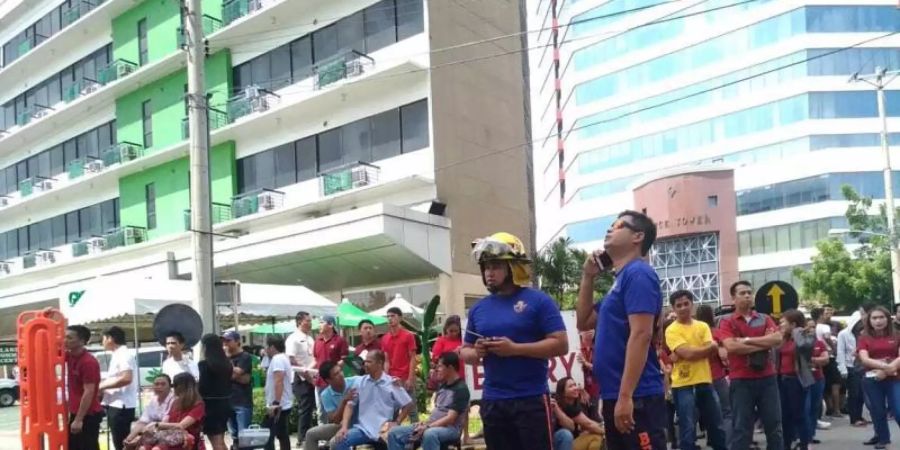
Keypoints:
pixel 775 292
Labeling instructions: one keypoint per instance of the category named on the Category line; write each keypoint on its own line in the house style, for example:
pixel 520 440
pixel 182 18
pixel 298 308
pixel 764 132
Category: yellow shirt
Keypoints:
pixel 697 334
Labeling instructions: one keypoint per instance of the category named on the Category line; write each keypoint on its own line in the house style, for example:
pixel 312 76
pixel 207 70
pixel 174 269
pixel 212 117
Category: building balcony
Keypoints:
pixel 256 201
pixel 32 113
pixel 122 152
pixel 115 70
pixel 79 9
pixel 252 100
pixel 124 236
pixel 217 119
pixel 34 184
pixel 41 257
pixel 221 212
pixel 84 86
pixel 340 67
pixel 86 165
pixel 235 9
pixel 210 26
pixel 349 176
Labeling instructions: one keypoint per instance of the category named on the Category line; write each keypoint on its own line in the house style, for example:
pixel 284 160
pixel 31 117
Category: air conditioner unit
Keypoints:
pixel 129 152
pixel 359 176
pixel 5 267
pixel 268 201
pixel 123 69
pixel 4 201
pixel 259 104
pixel 40 112
pixel 133 235
pixel 95 245
pixel 354 67
pixel 46 257
pixel 44 185
pixel 89 88
pixel 94 166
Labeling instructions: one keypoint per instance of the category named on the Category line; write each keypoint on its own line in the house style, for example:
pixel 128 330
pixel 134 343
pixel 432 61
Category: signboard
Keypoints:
pixel 560 367
pixel 9 354
pixel 776 297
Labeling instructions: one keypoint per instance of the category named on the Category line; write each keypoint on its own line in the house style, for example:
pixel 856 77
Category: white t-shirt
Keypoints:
pixel 823 330
pixel 126 396
pixel 171 367
pixel 156 411
pixel 299 345
pixel 279 363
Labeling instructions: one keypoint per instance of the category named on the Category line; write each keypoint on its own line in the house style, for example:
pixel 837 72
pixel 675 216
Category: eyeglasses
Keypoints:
pixel 622 223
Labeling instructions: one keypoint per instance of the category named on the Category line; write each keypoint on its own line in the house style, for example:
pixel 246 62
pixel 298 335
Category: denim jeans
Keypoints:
pixel 814 410
pixel 723 390
pixel 562 439
pixel 354 437
pixel 794 408
pixel 690 399
pixel 431 439
pixel 752 398
pixel 882 395
pixel 855 396
pixel 239 420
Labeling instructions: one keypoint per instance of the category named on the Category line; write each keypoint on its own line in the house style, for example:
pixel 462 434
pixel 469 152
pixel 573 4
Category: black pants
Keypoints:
pixel 522 423
pixel 855 397
pixel 89 438
pixel 278 427
pixel 649 425
pixel 119 421
pixel 305 396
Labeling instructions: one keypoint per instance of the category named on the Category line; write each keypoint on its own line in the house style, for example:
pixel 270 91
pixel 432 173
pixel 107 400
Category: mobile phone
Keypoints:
pixel 603 261
pixel 479 335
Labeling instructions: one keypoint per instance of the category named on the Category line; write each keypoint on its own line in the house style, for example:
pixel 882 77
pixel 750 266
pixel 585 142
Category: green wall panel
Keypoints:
pixel 166 97
pixel 163 20
pixel 171 183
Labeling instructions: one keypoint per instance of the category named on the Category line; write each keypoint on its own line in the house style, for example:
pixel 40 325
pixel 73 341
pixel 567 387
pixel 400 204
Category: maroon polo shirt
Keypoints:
pixel 736 326
pixel 80 370
pixel 374 345
pixel 333 349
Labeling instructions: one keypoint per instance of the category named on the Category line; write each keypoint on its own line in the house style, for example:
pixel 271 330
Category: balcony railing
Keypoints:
pixel 217 119
pixel 36 183
pixel 221 212
pixel 39 257
pixel 346 65
pixel 32 112
pixel 210 26
pixel 121 153
pixel 235 9
pixel 78 167
pixel 88 246
pixel 253 100
pixel 81 87
pixel 256 201
pixel 115 70
pixel 30 42
pixel 79 9
pixel 349 176
pixel 123 236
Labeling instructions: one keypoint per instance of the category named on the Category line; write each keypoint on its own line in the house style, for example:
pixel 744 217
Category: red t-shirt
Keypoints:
pixel 736 326
pixel 882 348
pixel 715 363
pixel 818 349
pixel 444 345
pixel 397 349
pixel 80 370
pixel 334 349
pixel 374 345
pixel 198 412
pixel 788 357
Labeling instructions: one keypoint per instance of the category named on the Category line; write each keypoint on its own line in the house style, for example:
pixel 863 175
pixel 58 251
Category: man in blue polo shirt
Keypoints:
pixel 334 399
pixel 513 332
pixel 625 362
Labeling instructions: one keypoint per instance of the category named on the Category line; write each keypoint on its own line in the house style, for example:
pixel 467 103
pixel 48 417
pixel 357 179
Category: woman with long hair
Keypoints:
pixel 181 428
pixel 795 369
pixel 215 389
pixel 878 352
pixel 449 341
pixel 569 410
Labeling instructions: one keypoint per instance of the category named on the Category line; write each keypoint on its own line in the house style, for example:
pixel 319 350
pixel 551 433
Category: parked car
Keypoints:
pixel 149 361
pixel 9 392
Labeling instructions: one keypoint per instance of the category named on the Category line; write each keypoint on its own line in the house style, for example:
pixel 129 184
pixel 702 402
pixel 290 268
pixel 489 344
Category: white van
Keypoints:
pixel 149 361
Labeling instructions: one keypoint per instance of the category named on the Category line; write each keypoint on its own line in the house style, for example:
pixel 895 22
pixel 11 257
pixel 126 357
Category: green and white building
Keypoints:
pixel 355 146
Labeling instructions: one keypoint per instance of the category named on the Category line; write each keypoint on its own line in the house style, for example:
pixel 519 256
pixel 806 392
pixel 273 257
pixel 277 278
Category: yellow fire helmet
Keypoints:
pixel 504 247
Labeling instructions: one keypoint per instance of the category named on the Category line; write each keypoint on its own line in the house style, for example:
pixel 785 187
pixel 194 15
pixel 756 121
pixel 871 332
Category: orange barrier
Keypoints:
pixel 43 415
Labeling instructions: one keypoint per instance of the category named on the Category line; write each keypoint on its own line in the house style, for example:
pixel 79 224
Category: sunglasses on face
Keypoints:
pixel 622 223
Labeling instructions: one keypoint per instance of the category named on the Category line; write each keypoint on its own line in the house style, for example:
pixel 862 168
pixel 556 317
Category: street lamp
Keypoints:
pixel 879 80
pixel 895 257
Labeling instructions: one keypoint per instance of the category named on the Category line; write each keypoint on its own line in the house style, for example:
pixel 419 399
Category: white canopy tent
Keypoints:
pixel 398 302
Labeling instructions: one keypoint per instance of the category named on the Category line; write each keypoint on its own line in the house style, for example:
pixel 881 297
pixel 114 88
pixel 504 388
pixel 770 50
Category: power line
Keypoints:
pixel 659 105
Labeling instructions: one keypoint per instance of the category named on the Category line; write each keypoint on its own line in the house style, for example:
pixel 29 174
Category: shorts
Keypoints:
pixel 217 414
pixel 832 374
pixel 649 425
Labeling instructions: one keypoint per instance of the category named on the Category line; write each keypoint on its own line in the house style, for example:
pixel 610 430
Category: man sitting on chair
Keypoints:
pixel 450 405
pixel 376 398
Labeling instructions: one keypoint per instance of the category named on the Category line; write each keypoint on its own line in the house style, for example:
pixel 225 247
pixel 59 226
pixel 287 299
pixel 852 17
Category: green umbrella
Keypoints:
pixel 349 315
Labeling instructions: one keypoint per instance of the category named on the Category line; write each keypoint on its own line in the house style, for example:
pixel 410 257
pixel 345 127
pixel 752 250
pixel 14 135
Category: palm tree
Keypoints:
pixel 558 271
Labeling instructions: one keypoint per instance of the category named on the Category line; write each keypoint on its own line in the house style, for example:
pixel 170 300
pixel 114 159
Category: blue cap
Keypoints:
pixel 330 320
pixel 231 336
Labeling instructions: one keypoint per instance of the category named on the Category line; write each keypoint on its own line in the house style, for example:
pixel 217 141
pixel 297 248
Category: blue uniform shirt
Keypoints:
pixel 527 316
pixel 636 291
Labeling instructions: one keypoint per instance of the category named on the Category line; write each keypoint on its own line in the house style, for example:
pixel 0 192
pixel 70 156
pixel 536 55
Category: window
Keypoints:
pixel 280 67
pixel 285 165
pixel 246 173
pixel 381 26
pixel 147 119
pixel 307 168
pixel 351 33
pixel 142 41
pixel 356 144
pixel 72 228
pixel 301 59
pixel 89 221
pixel 150 200
pixel 414 126
pixel 386 135
pixel 712 201
pixel 109 215
pixel 410 18
pixel 325 43
pixel 329 150
pixel 58 231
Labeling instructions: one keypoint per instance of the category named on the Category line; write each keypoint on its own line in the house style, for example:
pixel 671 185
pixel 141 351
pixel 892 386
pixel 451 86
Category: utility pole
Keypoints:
pixel 201 208
pixel 879 80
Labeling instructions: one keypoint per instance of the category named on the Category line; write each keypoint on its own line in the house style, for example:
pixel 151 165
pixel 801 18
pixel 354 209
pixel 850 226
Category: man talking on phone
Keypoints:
pixel 625 362
pixel 513 332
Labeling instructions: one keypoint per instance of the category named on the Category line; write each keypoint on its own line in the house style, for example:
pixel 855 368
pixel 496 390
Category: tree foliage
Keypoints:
pixel 558 271
pixel 848 279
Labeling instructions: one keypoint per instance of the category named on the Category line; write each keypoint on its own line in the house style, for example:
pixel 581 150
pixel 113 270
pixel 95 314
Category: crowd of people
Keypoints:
pixel 654 373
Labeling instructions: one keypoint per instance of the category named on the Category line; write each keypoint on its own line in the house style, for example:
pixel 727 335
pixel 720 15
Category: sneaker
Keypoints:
pixel 822 425
pixel 872 441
